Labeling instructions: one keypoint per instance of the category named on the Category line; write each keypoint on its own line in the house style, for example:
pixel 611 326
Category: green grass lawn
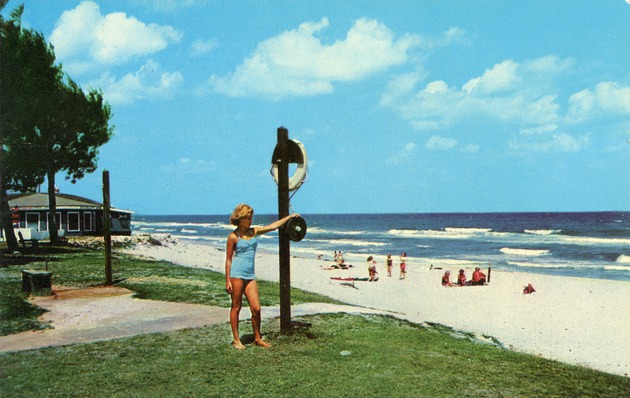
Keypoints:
pixel 338 356
pixel 155 280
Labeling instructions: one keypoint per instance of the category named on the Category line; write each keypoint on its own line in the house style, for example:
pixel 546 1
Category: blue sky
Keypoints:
pixel 403 106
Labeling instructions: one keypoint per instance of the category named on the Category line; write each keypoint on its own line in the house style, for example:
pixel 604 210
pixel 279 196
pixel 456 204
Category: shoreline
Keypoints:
pixel 578 321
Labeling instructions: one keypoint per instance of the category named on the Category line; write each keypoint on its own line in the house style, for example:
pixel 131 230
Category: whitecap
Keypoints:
pixel 542 231
pixel 523 252
pixel 624 259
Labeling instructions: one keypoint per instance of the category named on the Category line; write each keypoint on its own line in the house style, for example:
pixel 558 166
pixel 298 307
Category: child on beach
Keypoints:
pixel 446 279
pixel 461 278
pixel 371 263
pixel 390 263
pixel 239 269
pixel 403 265
pixel 529 289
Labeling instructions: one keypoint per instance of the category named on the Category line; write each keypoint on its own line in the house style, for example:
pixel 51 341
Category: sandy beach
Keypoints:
pixel 573 320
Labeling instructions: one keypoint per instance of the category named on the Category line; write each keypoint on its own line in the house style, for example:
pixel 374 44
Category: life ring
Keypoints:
pixel 296 228
pixel 297 155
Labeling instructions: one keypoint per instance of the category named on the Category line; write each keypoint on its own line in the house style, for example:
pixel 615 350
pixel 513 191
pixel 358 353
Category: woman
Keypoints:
pixel 239 269
pixel 403 265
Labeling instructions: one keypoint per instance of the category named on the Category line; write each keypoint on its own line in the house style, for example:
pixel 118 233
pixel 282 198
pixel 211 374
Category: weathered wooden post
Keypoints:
pixel 288 151
pixel 107 230
pixel 284 244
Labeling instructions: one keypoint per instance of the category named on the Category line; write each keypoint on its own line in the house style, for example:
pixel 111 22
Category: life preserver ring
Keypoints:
pixel 298 178
pixel 296 228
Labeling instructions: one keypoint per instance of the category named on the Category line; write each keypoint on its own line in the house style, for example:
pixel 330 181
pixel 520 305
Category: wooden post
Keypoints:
pixel 284 243
pixel 107 230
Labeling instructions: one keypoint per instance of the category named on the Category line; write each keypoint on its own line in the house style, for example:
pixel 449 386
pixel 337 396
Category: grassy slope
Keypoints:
pixel 339 355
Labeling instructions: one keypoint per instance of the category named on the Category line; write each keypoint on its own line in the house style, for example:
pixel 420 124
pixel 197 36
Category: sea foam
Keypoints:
pixel 523 252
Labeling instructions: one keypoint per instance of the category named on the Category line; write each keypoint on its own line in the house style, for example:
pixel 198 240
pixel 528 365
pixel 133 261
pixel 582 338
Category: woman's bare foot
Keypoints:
pixel 238 345
pixel 261 343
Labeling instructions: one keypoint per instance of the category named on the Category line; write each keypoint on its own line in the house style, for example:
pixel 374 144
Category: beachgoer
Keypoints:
pixel 529 289
pixel 403 265
pixel 239 269
pixel 371 264
pixel 478 277
pixel 446 279
pixel 390 264
pixel 339 258
pixel 461 278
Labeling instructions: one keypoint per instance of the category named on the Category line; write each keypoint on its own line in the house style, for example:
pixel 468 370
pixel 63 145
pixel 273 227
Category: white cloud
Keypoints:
pixel 403 155
pixel 504 92
pixel 201 47
pixel 556 142
pixel 500 77
pixel 85 38
pixel 549 64
pixel 543 129
pixel 437 143
pixel 149 82
pixel 297 63
pixel 605 99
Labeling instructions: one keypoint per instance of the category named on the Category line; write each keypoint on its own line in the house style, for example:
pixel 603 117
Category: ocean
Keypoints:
pixel 587 245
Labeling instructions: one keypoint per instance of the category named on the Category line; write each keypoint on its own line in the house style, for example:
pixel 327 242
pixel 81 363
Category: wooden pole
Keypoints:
pixel 284 243
pixel 107 230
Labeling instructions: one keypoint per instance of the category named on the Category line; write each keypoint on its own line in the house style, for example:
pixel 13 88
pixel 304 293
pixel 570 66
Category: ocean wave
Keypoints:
pixel 188 231
pixel 349 242
pixel 570 266
pixel 542 231
pixel 467 231
pixel 617 268
pixel 172 224
pixel 624 259
pixel 543 265
pixel 447 233
pixel 523 252
pixel 323 231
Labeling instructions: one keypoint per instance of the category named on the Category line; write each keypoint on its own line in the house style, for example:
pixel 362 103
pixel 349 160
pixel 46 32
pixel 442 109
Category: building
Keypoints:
pixel 76 216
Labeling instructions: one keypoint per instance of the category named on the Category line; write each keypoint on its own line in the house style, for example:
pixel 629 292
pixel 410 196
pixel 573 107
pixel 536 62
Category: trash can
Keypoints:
pixel 37 283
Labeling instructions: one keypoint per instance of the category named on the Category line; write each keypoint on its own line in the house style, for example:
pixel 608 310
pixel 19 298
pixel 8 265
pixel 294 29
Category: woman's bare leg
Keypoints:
pixel 238 286
pixel 251 292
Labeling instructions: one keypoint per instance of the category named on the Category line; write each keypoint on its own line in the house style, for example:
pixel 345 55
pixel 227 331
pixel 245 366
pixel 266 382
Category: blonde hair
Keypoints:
pixel 241 211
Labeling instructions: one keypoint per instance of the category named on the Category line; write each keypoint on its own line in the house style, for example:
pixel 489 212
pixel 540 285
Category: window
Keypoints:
pixel 74 223
pixel 32 221
pixel 87 221
pixel 57 221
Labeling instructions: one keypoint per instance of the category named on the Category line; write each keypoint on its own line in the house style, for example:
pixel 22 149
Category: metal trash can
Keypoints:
pixel 37 283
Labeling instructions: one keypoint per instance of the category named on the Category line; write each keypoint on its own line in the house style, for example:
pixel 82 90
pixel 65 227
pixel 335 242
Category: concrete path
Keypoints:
pixel 104 313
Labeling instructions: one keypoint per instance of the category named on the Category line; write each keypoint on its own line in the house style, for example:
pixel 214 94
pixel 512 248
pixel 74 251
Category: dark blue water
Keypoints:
pixel 590 245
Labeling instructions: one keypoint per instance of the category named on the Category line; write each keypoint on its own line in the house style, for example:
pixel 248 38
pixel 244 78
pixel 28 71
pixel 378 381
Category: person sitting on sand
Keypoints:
pixel 446 279
pixel 478 277
pixel 239 269
pixel 371 263
pixel 529 289
pixel 403 265
pixel 461 278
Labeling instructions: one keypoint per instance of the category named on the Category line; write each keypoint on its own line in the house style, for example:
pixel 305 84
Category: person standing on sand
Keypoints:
pixel 390 263
pixel 403 265
pixel 239 269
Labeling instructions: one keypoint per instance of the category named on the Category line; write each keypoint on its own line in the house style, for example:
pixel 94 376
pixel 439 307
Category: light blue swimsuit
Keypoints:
pixel 243 260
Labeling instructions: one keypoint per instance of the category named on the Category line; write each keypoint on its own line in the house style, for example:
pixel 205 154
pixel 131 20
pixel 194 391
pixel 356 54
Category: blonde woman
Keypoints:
pixel 239 269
